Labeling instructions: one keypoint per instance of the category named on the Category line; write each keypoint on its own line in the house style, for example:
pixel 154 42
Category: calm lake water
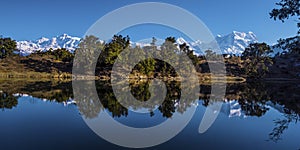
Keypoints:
pixel 45 115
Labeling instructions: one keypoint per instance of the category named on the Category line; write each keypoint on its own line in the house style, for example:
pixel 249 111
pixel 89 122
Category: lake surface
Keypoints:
pixel 45 115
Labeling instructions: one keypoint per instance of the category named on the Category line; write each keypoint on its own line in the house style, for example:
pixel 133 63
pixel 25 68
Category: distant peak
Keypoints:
pixel 64 35
pixel 239 33
pixel 181 40
pixel 42 39
pixel 235 32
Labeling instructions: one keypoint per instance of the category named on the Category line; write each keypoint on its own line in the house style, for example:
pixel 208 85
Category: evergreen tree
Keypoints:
pixel 88 50
pixel 7 47
pixel 8 101
pixel 185 50
pixel 210 55
pixel 288 8
pixel 62 54
pixel 169 51
pixel 256 59
pixel 113 49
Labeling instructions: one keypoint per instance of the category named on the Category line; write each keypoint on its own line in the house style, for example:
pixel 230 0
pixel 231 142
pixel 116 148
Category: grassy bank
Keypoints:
pixel 38 67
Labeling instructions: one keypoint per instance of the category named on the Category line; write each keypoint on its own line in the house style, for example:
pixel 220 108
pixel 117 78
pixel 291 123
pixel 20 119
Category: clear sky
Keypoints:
pixel 32 19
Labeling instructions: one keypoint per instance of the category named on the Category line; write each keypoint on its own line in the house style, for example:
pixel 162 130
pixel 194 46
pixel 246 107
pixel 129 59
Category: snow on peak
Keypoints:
pixel 42 40
pixel 239 34
pixel 236 42
pixel 233 43
pixel 181 40
pixel 44 44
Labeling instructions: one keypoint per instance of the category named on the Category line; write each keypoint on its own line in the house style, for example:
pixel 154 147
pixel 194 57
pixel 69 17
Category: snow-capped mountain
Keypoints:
pixel 44 44
pixel 236 42
pixel 233 43
pixel 146 42
pixel 232 109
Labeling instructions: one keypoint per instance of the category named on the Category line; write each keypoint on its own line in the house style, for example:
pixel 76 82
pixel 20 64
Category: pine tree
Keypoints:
pixel 256 60
pixel 87 54
pixel 7 47
pixel 288 8
pixel 113 49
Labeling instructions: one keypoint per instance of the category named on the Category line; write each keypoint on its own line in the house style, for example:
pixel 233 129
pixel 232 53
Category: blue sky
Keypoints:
pixel 32 19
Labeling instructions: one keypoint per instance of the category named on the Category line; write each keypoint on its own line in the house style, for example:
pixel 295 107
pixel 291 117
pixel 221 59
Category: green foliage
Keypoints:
pixel 168 53
pixel 257 50
pixel 210 55
pixel 184 48
pixel 288 8
pixel 7 100
pixel 146 67
pixel 113 49
pixel 256 60
pixel 88 50
pixel 153 42
pixel 291 45
pixel 60 54
pixel 7 47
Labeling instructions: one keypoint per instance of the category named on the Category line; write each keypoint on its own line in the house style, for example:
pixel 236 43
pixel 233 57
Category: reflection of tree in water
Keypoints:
pixel 87 103
pixel 253 99
pixel 50 90
pixel 173 101
pixel 204 94
pixel 8 101
pixel 86 100
pixel 286 95
pixel 167 108
pixel 140 92
pixel 108 99
pixel 281 125
pixel 58 91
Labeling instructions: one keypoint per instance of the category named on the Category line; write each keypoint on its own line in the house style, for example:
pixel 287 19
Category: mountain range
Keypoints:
pixel 44 44
pixel 233 43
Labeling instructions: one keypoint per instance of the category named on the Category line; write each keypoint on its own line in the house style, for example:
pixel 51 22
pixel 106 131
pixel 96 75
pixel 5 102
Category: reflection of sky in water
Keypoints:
pixel 141 120
pixel 39 124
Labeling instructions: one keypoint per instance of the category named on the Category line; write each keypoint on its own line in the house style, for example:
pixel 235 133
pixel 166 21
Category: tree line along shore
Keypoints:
pixel 255 63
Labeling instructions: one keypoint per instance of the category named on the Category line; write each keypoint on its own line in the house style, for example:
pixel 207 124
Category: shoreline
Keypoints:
pixel 31 75
pixel 202 77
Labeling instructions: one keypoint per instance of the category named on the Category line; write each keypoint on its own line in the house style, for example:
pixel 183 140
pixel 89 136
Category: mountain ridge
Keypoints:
pixel 233 43
pixel 27 47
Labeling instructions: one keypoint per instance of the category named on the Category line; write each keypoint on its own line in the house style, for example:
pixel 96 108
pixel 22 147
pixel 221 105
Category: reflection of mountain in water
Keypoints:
pixel 232 109
pixel 241 100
